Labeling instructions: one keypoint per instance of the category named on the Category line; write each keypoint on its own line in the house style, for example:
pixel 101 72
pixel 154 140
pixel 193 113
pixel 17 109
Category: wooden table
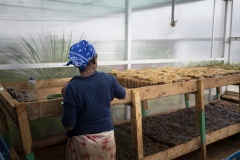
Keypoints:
pixel 21 113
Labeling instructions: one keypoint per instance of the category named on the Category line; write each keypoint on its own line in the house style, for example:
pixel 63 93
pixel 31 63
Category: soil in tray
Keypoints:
pixel 168 130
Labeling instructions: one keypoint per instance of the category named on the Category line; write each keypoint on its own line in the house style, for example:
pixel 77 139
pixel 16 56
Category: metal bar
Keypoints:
pixel 225 29
pixel 186 96
pixel 128 31
pixel 128 10
pixel 239 97
pixel 203 135
pixel 103 63
pixel 149 61
pixel 230 34
pixel 213 29
pixel 234 39
pixel 218 91
pixel 143 106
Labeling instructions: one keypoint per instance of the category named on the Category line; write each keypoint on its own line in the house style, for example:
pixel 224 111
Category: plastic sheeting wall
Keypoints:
pixel 103 23
pixel 235 45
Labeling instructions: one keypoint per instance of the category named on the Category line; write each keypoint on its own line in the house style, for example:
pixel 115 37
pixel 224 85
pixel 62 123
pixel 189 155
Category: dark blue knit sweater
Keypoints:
pixel 87 103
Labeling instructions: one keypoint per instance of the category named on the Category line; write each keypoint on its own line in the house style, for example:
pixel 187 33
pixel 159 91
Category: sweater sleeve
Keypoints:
pixel 119 91
pixel 69 115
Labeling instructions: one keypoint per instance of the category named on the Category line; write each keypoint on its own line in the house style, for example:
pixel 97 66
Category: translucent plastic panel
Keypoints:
pixel 47 25
pixel 154 23
pixel 198 49
pixel 154 38
pixel 153 49
pixel 236 19
pixel 218 47
pixel 171 49
pixel 219 18
pixel 110 68
pixel 110 50
pixel 235 52
pixel 37 73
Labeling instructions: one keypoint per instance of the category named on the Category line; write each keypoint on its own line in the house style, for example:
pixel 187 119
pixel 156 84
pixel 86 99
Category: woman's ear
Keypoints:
pixel 94 60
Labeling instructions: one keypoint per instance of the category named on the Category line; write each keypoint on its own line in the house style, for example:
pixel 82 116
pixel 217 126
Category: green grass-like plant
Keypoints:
pixel 39 50
pixel 216 64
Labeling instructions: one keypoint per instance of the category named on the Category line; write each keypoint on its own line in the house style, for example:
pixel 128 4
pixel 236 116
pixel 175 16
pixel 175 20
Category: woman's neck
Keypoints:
pixel 87 73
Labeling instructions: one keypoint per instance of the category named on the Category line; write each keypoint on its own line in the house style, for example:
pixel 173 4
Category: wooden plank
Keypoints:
pixel 44 108
pixel 50 108
pixel 44 87
pixel 222 133
pixel 53 83
pixel 230 97
pixel 7 99
pixel 52 86
pixel 221 81
pixel 16 85
pixel 194 144
pixel 137 118
pixel 24 128
pixel 177 151
pixel 127 100
pixel 33 110
pixel 152 92
pixel 44 92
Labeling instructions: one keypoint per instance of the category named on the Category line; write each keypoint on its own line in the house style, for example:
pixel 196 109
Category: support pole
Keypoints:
pixel 24 129
pixel 136 124
pixel 239 98
pixel 144 108
pixel 197 110
pixel 230 34
pixel 213 30
pixel 225 40
pixel 186 96
pixel 128 10
pixel 218 92
pixel 200 106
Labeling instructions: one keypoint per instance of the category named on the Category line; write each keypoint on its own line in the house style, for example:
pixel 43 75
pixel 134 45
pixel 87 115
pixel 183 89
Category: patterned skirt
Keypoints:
pixel 99 146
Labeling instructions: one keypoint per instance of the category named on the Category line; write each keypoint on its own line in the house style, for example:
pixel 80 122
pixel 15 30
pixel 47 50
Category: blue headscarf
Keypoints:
pixel 80 54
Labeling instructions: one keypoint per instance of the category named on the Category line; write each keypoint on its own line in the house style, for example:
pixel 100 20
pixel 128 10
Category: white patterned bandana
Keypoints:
pixel 80 54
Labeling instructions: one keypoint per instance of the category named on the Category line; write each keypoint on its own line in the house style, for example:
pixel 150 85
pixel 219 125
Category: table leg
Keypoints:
pixel 24 129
